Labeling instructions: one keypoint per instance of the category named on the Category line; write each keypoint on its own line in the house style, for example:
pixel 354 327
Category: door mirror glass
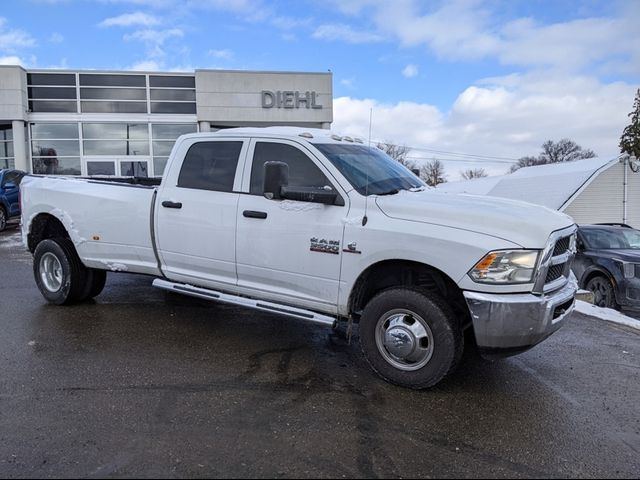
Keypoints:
pixel 276 176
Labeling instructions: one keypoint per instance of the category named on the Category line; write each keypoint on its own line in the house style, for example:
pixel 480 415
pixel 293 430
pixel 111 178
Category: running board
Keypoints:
pixel 215 296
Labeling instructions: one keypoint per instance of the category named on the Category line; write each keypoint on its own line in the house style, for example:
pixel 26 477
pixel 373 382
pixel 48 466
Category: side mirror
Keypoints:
pixel 276 176
pixel 10 186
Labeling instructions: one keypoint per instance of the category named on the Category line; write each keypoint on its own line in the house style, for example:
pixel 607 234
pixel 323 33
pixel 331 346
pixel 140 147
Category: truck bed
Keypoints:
pixel 109 220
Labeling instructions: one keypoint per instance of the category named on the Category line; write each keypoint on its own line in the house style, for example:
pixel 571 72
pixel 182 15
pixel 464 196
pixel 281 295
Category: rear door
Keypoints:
pixel 290 251
pixel 197 209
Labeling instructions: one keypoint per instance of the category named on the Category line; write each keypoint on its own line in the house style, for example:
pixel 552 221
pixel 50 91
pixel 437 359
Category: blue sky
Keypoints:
pixel 491 78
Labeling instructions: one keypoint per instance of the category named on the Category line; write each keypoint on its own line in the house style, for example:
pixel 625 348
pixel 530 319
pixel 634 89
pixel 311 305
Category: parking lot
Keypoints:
pixel 146 383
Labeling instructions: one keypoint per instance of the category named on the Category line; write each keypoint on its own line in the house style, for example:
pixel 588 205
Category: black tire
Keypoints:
pixel 96 280
pixel 603 291
pixel 3 219
pixel 447 338
pixel 73 273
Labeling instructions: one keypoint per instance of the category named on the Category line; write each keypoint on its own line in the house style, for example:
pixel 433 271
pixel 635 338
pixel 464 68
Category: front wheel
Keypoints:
pixel 604 295
pixel 410 338
pixel 3 219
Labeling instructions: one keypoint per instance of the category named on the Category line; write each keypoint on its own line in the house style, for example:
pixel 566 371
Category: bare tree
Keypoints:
pixel 564 150
pixel 473 173
pixel 630 140
pixel 398 153
pixel 433 173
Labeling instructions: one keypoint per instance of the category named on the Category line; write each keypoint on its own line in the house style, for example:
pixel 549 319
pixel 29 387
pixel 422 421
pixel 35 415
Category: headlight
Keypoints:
pixel 506 267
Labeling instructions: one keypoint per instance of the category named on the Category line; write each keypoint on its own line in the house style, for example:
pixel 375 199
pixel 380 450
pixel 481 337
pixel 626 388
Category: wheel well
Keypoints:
pixel 597 273
pixel 395 273
pixel 43 227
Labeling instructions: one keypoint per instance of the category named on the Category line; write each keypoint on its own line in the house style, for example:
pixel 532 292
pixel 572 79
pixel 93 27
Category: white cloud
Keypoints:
pixel 507 117
pixel 223 54
pixel 146 66
pixel 11 60
pixel 154 40
pixel 410 71
pixel 348 82
pixel 344 33
pixel 469 30
pixel 56 38
pixel 136 19
pixel 12 40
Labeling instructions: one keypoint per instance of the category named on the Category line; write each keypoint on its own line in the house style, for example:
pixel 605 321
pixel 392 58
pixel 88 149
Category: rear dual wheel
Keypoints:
pixel 61 276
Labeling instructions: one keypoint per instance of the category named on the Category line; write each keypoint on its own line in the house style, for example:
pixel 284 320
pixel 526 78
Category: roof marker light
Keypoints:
pixel 358 140
pixel 348 139
pixel 305 135
pixel 338 138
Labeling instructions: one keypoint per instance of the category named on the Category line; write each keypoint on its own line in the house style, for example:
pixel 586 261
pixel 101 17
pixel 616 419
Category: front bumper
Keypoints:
pixel 509 324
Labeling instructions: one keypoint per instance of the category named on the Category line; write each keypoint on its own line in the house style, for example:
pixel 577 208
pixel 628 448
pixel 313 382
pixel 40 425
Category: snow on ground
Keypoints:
pixel 11 239
pixel 606 314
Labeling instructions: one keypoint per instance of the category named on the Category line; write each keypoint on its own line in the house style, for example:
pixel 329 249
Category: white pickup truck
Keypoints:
pixel 318 227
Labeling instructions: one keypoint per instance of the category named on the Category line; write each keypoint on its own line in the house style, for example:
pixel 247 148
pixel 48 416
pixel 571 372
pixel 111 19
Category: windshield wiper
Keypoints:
pixel 390 192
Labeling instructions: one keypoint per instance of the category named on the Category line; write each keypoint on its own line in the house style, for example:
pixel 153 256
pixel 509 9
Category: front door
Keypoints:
pixel 290 251
pixel 197 214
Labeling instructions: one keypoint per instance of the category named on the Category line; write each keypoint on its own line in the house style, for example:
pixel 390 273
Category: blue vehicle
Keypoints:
pixel 9 195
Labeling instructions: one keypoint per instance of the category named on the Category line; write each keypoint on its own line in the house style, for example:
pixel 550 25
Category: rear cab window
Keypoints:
pixel 210 165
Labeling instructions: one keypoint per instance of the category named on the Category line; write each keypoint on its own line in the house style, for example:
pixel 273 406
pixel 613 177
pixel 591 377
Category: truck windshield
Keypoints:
pixel 369 170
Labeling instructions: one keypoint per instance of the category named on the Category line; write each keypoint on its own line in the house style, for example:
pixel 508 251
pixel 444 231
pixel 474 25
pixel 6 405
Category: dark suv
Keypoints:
pixel 608 264
pixel 9 191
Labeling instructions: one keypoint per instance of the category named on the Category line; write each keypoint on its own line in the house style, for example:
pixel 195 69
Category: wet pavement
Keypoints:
pixel 148 384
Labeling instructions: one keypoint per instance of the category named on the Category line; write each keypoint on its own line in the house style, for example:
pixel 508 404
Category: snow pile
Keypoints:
pixel 606 314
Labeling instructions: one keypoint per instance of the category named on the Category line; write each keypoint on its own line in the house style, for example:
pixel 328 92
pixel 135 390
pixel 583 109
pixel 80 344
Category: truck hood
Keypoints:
pixel 524 224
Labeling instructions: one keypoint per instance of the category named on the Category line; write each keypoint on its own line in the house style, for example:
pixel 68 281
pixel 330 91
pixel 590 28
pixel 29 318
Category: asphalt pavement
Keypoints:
pixel 143 383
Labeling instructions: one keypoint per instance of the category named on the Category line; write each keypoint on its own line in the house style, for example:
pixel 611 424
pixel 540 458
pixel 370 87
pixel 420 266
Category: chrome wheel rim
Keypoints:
pixel 404 340
pixel 51 272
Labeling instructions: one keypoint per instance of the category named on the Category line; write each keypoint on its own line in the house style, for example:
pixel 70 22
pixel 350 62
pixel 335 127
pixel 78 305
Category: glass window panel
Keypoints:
pixel 52 92
pixel 114 107
pixel 55 148
pixel 163 148
pixel 166 107
pixel 6 149
pixel 302 171
pixel 7 163
pixel 101 80
pixel 101 168
pixel 115 131
pixel 113 93
pixel 6 133
pixel 53 106
pixel 134 169
pixel 210 166
pixel 54 130
pixel 56 166
pixel 180 95
pixel 172 131
pixel 115 147
pixel 172 81
pixel 159 164
pixel 51 79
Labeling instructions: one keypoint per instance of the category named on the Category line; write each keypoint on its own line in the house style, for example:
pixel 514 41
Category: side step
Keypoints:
pixel 215 296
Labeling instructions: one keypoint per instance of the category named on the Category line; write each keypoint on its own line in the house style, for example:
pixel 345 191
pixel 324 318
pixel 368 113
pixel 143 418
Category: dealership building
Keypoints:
pixel 125 123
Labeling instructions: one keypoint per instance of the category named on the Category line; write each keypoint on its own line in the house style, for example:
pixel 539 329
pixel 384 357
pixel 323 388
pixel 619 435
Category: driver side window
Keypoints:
pixel 302 171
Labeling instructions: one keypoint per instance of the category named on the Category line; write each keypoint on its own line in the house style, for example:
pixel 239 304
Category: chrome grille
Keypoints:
pixel 555 272
pixel 555 265
pixel 562 246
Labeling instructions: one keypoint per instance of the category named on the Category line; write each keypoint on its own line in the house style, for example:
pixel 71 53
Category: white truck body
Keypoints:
pixel 305 255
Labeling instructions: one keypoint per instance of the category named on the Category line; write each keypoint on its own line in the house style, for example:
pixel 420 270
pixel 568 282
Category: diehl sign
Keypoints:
pixel 289 99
